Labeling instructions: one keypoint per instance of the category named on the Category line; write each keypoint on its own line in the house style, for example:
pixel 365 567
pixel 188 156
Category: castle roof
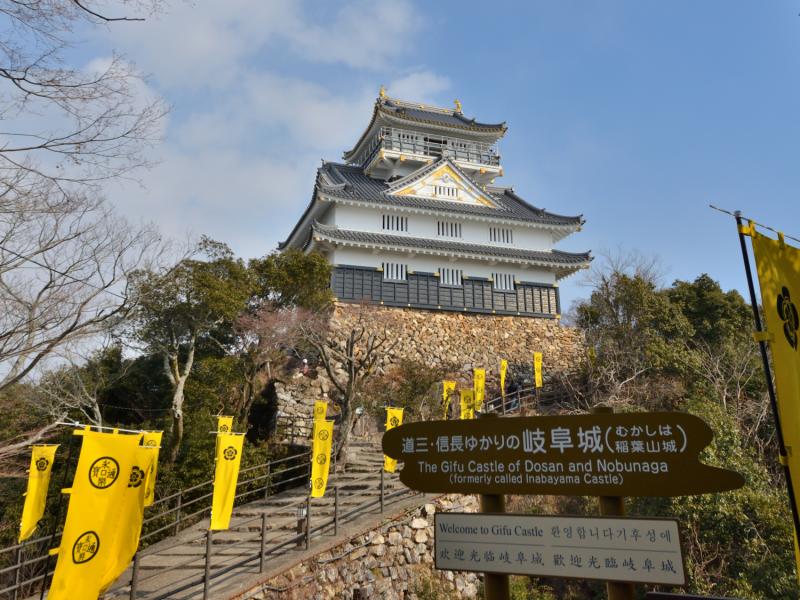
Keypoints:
pixel 392 111
pixel 349 184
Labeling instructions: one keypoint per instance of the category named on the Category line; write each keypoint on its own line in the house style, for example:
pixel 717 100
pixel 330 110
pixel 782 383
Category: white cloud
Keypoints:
pixel 247 134
pixel 363 34
pixel 212 45
pixel 422 86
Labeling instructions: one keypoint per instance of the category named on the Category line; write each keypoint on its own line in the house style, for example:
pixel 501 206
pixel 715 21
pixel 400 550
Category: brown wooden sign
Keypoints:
pixel 633 454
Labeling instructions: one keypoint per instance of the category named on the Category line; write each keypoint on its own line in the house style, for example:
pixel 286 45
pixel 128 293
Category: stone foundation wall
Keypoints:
pixel 469 340
pixel 393 562
pixel 438 338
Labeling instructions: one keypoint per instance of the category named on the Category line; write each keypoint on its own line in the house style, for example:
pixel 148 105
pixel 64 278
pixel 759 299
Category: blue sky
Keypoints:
pixel 637 114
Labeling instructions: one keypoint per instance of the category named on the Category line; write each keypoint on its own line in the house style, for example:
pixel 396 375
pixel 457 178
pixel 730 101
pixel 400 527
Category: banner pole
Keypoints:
pixel 495 585
pixel 768 376
pixel 54 529
pixel 614 506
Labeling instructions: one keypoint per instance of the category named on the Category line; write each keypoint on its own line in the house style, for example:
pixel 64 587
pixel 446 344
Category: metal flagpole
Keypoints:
pixel 101 427
pixel 54 529
pixel 768 374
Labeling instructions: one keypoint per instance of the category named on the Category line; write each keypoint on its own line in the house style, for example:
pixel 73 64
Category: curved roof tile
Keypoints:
pixel 569 261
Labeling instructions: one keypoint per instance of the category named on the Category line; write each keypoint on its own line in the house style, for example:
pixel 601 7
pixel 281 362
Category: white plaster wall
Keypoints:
pixel 432 264
pixel 477 232
pixel 329 218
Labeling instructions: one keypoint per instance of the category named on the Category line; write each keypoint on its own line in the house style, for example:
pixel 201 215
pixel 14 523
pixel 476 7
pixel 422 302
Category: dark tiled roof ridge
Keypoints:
pixel 403 106
pixel 556 257
pixel 376 190
pixel 435 116
pixel 509 191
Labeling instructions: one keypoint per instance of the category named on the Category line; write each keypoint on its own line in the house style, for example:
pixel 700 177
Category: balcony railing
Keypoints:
pixel 430 145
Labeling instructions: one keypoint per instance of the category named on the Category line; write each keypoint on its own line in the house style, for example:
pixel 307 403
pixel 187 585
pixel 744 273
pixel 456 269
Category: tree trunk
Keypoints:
pixel 98 415
pixel 348 419
pixel 177 419
pixel 178 380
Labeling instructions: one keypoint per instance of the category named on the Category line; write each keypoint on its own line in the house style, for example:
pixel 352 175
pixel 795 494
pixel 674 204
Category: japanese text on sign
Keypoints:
pixel 612 549
pixel 634 454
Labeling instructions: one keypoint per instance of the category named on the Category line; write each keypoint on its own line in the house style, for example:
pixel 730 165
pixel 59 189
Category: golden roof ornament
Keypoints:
pixel 382 92
pixel 458 106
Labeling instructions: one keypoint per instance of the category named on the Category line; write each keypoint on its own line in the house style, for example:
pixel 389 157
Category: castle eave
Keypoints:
pixel 562 263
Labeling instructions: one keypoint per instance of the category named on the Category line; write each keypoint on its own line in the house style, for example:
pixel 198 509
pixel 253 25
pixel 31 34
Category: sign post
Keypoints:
pixel 495 585
pixel 605 454
pixel 614 506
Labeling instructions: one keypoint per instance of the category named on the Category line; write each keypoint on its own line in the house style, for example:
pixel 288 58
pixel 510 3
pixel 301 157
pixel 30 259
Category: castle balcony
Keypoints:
pixel 390 146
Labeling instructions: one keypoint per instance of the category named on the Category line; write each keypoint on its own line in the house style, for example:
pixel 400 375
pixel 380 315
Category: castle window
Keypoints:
pixel 448 276
pixel 503 281
pixel 445 191
pixel 394 271
pixel 448 229
pixel 395 223
pixel 501 235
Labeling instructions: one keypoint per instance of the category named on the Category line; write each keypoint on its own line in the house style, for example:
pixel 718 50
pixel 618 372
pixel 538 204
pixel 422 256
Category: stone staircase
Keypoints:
pixel 177 568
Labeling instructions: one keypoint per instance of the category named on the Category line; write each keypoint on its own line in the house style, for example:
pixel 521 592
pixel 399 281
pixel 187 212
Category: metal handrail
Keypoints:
pixel 280 542
pixel 365 499
pixel 416 142
pixel 183 520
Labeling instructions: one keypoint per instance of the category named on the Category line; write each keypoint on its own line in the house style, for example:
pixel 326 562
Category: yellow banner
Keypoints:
pixel 38 484
pixel 320 409
pixel 132 513
pixel 537 369
pixel 394 418
pixel 503 370
pixel 778 266
pixel 321 457
pixel 448 387
pixel 226 475
pixel 480 387
pixel 467 404
pixel 104 518
pixel 225 424
pixel 152 440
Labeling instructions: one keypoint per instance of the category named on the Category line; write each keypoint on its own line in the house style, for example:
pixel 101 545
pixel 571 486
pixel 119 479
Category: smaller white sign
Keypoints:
pixel 605 548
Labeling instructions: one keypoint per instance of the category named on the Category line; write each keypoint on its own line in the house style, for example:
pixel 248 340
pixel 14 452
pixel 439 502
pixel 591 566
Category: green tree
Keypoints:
pixel 714 315
pixel 633 330
pixel 191 304
pixel 289 286
pixel 293 279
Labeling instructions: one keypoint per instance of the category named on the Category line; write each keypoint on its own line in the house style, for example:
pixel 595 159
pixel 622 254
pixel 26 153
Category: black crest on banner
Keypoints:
pixel 103 472
pixel 787 311
pixel 229 453
pixel 136 478
pixel 41 464
pixel 85 547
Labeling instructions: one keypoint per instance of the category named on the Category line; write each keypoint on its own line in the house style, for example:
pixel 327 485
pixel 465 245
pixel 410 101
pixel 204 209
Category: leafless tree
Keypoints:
pixel 62 124
pixel 64 267
pixel 75 387
pixel 261 339
pixel 350 352
pixel 64 255
pixel 63 277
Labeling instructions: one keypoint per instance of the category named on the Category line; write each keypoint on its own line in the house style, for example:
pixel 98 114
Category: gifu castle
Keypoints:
pixel 412 218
